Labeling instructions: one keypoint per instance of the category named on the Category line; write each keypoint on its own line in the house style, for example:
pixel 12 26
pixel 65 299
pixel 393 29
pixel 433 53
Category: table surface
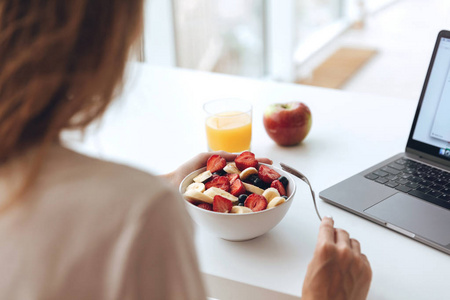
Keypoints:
pixel 158 123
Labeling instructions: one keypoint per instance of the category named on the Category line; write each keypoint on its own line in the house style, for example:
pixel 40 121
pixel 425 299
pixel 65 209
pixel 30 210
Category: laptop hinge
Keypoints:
pixel 435 161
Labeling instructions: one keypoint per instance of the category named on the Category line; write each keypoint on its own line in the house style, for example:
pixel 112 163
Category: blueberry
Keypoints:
pixel 220 173
pixel 242 198
pixel 284 181
pixel 259 183
pixel 285 197
pixel 255 180
pixel 251 179
pixel 240 204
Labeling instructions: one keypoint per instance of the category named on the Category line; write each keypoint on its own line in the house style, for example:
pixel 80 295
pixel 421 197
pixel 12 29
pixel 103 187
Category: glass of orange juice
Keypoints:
pixel 228 125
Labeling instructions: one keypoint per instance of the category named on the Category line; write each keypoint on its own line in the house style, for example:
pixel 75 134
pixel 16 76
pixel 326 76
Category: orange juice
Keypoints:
pixel 229 131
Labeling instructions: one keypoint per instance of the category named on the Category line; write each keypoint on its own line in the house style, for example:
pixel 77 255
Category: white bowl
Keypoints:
pixel 239 227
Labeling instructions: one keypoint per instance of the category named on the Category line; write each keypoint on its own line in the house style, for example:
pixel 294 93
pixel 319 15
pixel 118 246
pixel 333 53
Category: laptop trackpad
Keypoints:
pixel 417 216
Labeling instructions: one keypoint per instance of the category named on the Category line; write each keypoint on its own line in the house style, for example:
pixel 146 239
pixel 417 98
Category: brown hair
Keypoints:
pixel 61 63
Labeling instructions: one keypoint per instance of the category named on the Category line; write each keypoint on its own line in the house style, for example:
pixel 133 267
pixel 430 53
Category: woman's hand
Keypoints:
pixel 198 162
pixel 338 269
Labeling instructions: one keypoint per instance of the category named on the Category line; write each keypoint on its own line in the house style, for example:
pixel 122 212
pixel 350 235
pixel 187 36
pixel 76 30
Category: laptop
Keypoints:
pixel 410 192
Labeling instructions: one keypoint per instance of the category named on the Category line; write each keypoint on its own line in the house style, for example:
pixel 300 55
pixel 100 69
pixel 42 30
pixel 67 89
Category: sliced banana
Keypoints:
pixel 240 210
pixel 253 188
pixel 275 202
pixel 203 176
pixel 198 186
pixel 195 196
pixel 231 169
pixel 213 191
pixel 247 172
pixel 271 193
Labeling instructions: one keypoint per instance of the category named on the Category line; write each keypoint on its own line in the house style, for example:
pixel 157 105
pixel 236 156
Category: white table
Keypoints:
pixel 158 124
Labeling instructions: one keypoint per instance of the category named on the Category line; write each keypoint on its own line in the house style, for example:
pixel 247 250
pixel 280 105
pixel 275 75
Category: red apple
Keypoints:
pixel 287 124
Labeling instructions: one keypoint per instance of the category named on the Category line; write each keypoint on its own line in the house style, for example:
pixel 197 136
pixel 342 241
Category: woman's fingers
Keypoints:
pixel 227 155
pixel 338 269
pixel 265 160
pixel 356 246
pixel 326 230
pixel 342 238
pixel 231 157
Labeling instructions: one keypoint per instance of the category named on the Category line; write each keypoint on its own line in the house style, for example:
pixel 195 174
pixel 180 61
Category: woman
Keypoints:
pixel 74 227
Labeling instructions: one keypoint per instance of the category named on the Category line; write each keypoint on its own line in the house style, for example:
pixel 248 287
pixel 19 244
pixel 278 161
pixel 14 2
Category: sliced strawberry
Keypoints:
pixel 220 182
pixel 279 186
pixel 221 204
pixel 213 176
pixel 232 177
pixel 215 163
pixel 256 202
pixel 237 188
pixel 246 160
pixel 267 174
pixel 206 206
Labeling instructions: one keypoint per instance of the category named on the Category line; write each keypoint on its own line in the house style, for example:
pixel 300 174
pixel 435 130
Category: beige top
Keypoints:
pixel 89 229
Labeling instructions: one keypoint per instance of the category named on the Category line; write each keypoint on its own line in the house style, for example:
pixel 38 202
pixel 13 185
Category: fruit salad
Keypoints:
pixel 239 187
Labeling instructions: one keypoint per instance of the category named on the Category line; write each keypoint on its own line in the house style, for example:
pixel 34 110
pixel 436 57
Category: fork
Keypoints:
pixel 303 178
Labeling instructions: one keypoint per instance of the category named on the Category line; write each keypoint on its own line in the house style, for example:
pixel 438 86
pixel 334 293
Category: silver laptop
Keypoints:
pixel 410 192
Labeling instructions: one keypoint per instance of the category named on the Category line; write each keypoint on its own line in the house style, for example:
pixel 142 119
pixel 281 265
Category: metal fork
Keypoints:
pixel 303 178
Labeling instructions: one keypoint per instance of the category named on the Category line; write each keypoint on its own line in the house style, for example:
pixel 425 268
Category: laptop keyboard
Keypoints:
pixel 420 180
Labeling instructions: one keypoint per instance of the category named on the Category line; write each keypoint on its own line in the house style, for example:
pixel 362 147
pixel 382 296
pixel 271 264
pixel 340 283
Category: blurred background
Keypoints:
pixel 381 47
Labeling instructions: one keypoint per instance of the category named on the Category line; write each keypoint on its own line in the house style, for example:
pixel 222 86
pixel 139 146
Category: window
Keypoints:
pixel 255 38
pixel 223 36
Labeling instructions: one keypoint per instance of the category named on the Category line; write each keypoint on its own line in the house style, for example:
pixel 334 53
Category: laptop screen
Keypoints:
pixel 431 128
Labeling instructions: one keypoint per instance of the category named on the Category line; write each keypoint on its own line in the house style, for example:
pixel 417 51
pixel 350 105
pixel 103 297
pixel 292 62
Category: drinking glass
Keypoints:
pixel 228 125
